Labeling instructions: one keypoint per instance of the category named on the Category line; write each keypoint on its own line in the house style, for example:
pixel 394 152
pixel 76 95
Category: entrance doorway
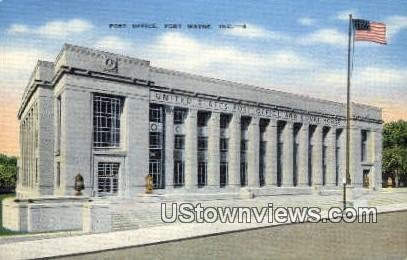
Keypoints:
pixel 366 178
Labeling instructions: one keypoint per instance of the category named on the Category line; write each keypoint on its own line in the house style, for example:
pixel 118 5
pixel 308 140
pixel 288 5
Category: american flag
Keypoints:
pixel 365 30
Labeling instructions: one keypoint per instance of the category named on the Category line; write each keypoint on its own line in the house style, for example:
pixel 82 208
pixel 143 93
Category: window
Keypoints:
pixel 224 120
pixel 179 145
pixel 36 170
pixel 178 173
pixel 243 174
pixel 106 120
pixel 279 163
pixel 295 163
pixel 203 118
pixel 324 163
pixel 179 115
pixel 202 143
pixel 202 173
pixel 179 142
pixel 59 113
pixel 58 180
pixel 224 144
pixel 155 140
pixel 156 162
pixel 280 156
pixel 156 114
pixel 108 178
pixel 262 162
pixel 223 174
pixel 310 149
pixel 243 163
pixel 155 171
pixel 364 146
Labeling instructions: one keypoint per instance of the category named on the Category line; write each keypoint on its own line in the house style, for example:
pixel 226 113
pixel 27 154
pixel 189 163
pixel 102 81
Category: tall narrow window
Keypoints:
pixel 202 124
pixel 106 120
pixel 325 132
pixel 36 170
pixel 156 162
pixel 364 146
pixel 297 128
pixel 202 160
pixel 310 153
pixel 280 157
pixel 224 149
pixel 58 177
pixel 338 155
pixel 245 122
pixel 179 165
pixel 262 151
pixel 243 163
pixel 59 115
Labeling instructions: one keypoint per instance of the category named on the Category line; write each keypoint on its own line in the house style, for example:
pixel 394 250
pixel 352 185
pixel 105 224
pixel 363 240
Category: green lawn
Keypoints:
pixel 3 231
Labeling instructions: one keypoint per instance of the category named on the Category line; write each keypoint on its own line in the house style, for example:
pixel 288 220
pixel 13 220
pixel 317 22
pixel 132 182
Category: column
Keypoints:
pixel 253 153
pixel 191 152
pixel 45 133
pixel 169 147
pixel 234 151
pixel 355 157
pixel 331 157
pixel 303 155
pixel 271 153
pixel 377 159
pixel 317 156
pixel 213 150
pixel 288 143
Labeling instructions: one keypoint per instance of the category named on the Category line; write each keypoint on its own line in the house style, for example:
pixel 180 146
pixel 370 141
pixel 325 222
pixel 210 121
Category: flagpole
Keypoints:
pixel 347 180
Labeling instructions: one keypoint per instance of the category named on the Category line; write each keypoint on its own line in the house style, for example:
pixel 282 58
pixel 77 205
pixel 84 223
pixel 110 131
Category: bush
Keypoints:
pixel 8 173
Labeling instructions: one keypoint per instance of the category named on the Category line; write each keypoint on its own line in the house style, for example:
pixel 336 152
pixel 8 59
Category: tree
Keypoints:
pixel 8 173
pixel 395 150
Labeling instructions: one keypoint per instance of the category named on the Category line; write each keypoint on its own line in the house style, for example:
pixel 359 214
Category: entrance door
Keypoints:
pixel 366 178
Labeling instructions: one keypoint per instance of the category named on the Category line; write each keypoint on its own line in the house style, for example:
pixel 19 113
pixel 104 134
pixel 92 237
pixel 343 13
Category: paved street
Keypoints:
pixel 386 239
pixel 152 239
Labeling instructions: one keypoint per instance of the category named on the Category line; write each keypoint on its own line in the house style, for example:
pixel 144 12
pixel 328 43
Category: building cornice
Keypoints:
pixel 239 85
pixel 140 82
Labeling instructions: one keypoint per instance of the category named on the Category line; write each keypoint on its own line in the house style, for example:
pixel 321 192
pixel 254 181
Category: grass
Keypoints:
pixel 4 231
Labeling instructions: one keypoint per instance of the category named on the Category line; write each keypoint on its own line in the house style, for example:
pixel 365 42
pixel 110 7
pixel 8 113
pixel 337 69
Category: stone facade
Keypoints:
pixel 115 119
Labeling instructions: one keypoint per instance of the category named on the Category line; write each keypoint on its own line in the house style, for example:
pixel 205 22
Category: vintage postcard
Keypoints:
pixel 203 129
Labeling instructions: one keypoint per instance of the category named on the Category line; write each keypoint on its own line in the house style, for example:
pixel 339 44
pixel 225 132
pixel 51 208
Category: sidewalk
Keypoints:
pixel 70 245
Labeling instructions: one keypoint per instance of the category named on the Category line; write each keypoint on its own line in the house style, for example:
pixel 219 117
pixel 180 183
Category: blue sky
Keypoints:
pixel 294 46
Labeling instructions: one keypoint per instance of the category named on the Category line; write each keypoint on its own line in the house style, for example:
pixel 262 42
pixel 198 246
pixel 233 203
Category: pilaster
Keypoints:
pixel 191 152
pixel 253 153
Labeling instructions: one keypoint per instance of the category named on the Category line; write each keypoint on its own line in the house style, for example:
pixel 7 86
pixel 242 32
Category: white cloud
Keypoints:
pixel 18 28
pixel 344 15
pixel 306 21
pixel 54 29
pixel 325 36
pixel 176 50
pixel 17 63
pixel 395 24
pixel 114 44
pixel 254 31
pixel 382 77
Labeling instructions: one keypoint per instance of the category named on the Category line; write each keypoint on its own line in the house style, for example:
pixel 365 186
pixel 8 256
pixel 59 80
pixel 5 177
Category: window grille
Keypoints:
pixel 106 120
pixel 108 178
pixel 179 173
pixel 156 161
